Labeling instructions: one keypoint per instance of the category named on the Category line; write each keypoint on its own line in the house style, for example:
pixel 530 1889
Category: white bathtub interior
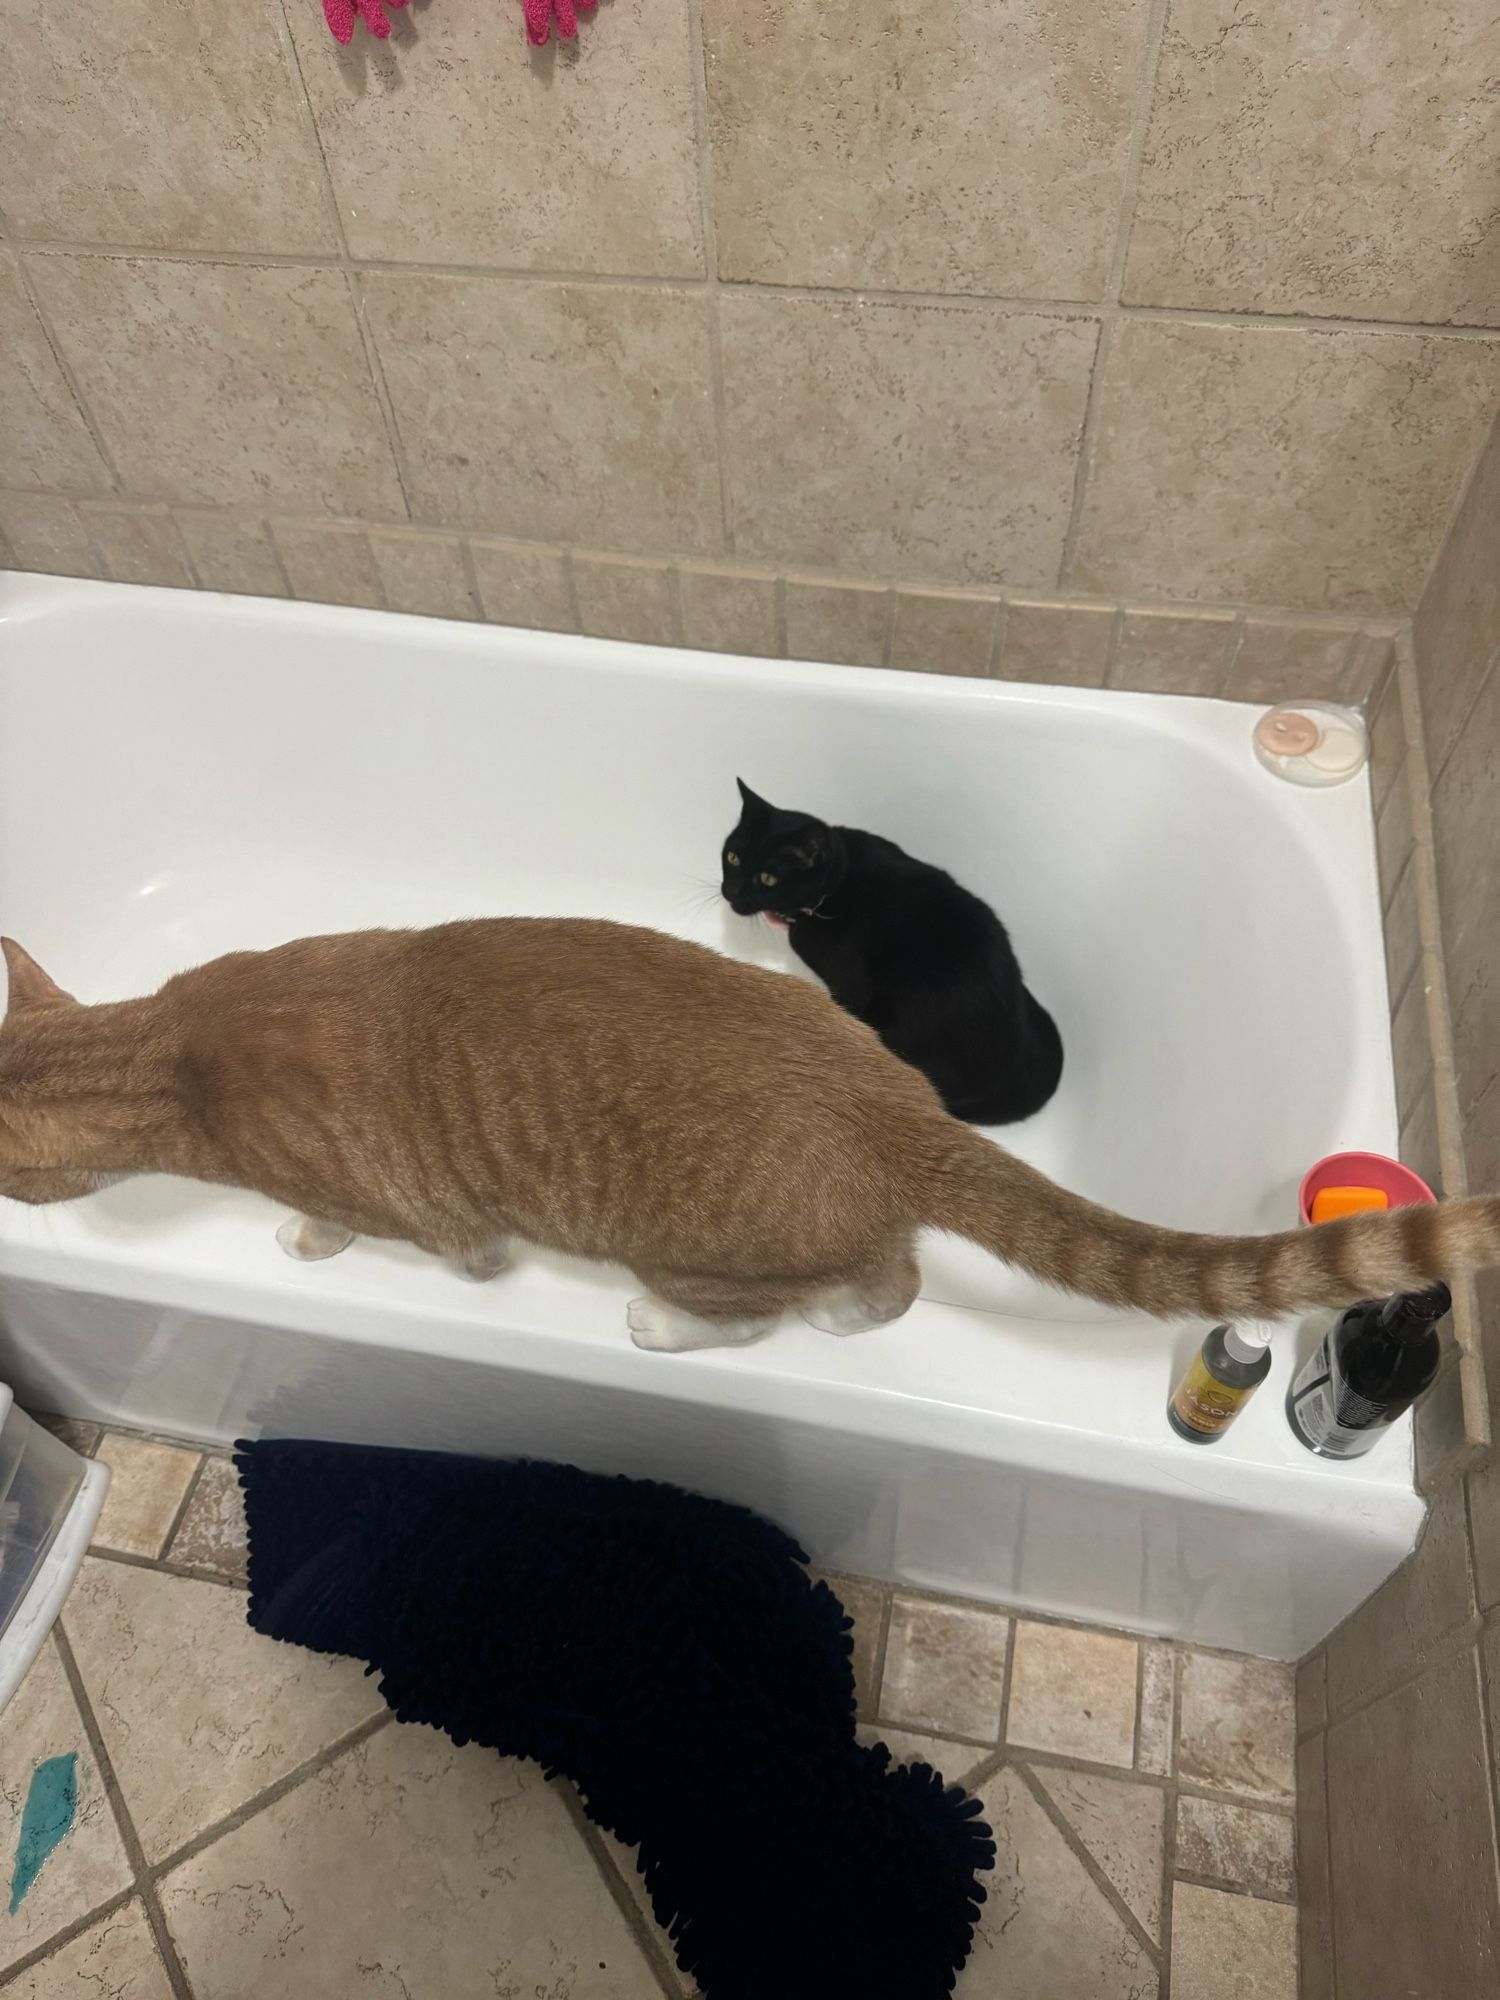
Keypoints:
pixel 182 775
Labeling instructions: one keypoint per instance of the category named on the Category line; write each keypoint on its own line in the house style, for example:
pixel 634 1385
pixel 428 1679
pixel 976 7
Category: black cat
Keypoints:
pixel 902 947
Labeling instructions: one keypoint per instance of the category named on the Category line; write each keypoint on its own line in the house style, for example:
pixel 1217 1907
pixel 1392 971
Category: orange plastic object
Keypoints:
pixel 1331 1202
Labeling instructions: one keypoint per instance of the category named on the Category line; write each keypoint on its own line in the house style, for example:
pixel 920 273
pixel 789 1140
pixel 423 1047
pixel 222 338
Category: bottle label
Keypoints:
pixel 1205 1403
pixel 1331 1416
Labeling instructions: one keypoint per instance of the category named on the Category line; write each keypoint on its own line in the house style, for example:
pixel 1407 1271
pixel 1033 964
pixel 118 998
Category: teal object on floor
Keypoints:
pixel 46 1820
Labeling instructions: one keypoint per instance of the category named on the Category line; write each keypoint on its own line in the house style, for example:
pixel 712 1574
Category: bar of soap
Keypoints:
pixel 1331 1202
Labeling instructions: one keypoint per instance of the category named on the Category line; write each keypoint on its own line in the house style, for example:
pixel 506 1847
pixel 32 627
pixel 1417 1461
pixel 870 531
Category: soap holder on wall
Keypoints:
pixel 1312 743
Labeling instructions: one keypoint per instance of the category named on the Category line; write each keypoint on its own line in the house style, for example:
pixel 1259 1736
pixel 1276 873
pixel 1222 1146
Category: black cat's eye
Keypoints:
pixel 766 881
pixel 731 860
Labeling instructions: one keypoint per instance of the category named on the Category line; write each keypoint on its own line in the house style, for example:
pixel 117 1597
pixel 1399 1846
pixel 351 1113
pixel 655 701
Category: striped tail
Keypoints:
pixel 988 1196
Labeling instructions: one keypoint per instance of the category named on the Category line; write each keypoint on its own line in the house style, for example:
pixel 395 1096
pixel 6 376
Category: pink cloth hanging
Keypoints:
pixel 539 19
pixel 342 14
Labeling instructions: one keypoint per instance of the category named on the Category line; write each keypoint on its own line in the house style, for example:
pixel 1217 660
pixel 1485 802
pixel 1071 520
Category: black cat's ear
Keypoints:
pixel 809 845
pixel 752 801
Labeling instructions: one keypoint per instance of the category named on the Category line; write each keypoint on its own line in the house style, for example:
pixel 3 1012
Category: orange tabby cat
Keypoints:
pixel 744 1145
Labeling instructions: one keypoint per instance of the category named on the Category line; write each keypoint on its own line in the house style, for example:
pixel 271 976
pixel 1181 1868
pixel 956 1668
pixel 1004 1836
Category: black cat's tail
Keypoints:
pixel 976 1190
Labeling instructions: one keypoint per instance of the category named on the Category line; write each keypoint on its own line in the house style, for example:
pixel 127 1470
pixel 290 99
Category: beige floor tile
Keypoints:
pixel 623 1859
pixel 944 1668
pixel 212 1534
pixel 1153 1743
pixel 1232 1947
pixel 147 1483
pixel 198 1712
pixel 1046 1932
pixel 115 1959
pixel 865 1604
pixel 1238 1844
pixel 88 1865
pixel 1237 1731
pixel 1074 1693
pixel 1122 1823
pixel 956 1762
pixel 406 1866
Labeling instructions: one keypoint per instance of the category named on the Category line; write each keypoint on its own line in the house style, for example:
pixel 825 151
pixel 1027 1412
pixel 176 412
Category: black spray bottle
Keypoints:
pixel 1367 1371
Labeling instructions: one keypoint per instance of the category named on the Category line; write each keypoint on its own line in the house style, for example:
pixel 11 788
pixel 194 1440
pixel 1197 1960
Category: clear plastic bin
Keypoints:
pixel 49 1500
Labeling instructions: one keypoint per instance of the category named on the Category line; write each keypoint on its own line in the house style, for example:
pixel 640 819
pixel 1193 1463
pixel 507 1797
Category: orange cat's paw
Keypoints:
pixel 308 1240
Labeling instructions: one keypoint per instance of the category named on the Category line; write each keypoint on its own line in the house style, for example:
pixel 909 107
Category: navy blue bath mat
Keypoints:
pixel 672 1657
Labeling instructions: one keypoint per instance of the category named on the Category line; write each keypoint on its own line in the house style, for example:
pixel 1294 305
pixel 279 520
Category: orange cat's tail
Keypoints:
pixel 979 1192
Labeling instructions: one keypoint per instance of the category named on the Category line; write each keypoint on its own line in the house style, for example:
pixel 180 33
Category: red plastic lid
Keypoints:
pixel 1400 1186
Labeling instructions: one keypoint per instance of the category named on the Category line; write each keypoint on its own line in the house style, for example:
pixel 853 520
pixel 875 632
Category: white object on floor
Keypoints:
pixel 212 772
pixel 50 1497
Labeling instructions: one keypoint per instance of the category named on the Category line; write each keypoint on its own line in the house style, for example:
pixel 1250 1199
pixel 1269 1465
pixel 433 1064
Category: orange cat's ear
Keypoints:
pixel 29 985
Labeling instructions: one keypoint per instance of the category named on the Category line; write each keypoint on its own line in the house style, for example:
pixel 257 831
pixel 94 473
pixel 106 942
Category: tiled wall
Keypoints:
pixel 1132 342
pixel 1399 1716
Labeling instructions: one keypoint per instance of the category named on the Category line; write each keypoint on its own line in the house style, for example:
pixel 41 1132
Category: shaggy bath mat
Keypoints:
pixel 672 1657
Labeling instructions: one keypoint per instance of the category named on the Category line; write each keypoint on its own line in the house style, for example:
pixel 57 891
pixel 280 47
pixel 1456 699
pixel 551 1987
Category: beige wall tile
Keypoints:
pixel 1466 844
pixel 1241 1845
pixel 1156 1723
pixel 430 1837
pixel 1074 1693
pixel 147 1484
pixel 157 122
pixel 842 623
pixel 1122 1825
pixel 1312 1694
pixel 1280 660
pixel 1484 1510
pixel 1440 1431
pixel 1314 1895
pixel 1414 1909
pixel 1394 838
pixel 77 1433
pixel 1405 1622
pixel 936 442
pixel 1411 1046
pixel 520 584
pixel 1172 652
pixel 45 441
pixel 436 154
pixel 329 564
pixel 1045 1928
pixel 944 1668
pixel 115 1959
pixel 1227 1947
pixel 723 613
pixel 954 1762
pixel 1419 1146
pixel 1237 1726
pixel 944 150
pixel 225 383
pixel 944 632
pixel 1056 643
pixel 90 1866
pixel 198 1712
pixel 620 599
pixel 1403 935
pixel 544 409
pixel 1458 620
pixel 1383 112
pixel 423 573
pixel 1371 669
pixel 231 552
pixel 1279 465
pixel 139 545
pixel 1387 741
pixel 47 533
pixel 212 1534
pixel 626 1863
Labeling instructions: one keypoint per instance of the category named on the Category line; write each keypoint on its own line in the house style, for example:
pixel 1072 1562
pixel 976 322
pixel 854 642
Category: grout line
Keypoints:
pixel 997 641
pixel 1140 1695
pixel 1096 1874
pixel 1490 441
pixel 890 625
pixel 655 1947
pixel 346 264
pixel 703 148
pixel 1083 468
pixel 135 1853
pixel 882 1646
pixel 1169 1829
pixel 1008 1680
pixel 471 580
pixel 85 413
pixel 186 1571
pixel 1489 1702
pixel 570 585
pixel 779 587
pixel 179 1514
pixel 1226 1887
pixel 1135 156
pixel 100 1913
pixel 1461 728
pixel 184 550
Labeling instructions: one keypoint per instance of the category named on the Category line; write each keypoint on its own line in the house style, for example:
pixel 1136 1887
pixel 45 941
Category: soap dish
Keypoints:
pixel 1312 743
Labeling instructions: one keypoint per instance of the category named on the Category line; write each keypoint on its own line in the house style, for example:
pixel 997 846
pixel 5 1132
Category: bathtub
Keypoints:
pixel 186 774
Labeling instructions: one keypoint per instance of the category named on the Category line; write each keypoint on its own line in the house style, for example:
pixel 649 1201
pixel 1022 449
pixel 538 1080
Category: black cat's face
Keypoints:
pixel 775 863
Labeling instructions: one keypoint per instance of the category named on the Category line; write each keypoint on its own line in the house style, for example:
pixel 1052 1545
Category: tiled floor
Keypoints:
pixel 250 1822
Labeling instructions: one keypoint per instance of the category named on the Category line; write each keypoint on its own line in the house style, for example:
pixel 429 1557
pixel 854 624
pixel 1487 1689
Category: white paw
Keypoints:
pixel 664 1330
pixel 842 1313
pixel 309 1241
pixel 482 1265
